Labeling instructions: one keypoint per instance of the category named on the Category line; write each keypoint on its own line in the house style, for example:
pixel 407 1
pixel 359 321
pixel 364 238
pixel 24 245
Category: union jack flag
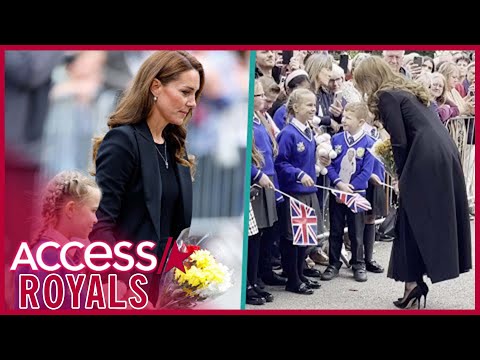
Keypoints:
pixel 355 201
pixel 304 224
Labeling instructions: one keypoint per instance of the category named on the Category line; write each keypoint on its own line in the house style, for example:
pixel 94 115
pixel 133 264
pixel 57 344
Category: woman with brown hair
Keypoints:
pixel 433 229
pixel 142 165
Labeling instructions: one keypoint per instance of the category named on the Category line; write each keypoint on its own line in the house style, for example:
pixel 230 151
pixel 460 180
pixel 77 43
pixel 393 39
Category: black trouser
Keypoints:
pixel 294 261
pixel 339 215
pixel 369 241
pixel 253 255
pixel 293 256
pixel 321 180
pixel 269 235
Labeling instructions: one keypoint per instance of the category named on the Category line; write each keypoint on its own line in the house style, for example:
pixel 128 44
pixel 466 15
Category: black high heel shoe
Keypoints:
pixel 424 287
pixel 416 294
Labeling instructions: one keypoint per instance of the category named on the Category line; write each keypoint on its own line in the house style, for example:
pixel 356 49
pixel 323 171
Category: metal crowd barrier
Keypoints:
pixel 462 130
pixel 218 190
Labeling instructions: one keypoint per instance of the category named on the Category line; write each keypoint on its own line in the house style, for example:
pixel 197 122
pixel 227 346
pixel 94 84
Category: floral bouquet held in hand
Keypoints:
pixel 203 279
pixel 382 151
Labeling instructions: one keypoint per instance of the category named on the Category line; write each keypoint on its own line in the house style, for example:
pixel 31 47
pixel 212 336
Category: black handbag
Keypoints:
pixel 386 230
pixel 254 191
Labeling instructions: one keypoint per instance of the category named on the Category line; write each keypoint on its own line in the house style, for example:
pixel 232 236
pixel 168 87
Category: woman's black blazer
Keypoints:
pixel 127 172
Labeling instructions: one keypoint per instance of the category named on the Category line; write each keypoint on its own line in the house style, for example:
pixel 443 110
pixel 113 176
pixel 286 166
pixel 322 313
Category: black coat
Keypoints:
pixel 128 174
pixel 433 196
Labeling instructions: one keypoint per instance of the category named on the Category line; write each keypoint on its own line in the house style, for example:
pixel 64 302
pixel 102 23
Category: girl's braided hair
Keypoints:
pixel 65 186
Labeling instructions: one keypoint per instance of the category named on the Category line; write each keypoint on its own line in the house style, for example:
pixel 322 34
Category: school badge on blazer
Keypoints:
pixel 338 149
pixel 300 146
pixel 360 152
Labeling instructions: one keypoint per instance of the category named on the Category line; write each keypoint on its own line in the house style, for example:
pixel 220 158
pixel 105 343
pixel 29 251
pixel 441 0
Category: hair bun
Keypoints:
pixel 294 74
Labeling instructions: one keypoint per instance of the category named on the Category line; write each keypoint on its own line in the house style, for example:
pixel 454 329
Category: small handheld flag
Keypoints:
pixel 354 201
pixel 304 224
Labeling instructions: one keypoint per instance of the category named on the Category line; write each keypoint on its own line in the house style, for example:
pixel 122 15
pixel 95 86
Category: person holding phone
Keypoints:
pixel 319 68
pixel 462 62
pixel 428 65
pixel 418 60
pixel 414 65
pixel 335 85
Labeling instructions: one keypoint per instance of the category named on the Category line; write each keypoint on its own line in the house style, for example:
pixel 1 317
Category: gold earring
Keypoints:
pixel 155 99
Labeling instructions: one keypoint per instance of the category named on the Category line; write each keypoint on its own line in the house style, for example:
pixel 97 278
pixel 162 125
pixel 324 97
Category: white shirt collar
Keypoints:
pixel 298 124
pixel 301 128
pixel 356 136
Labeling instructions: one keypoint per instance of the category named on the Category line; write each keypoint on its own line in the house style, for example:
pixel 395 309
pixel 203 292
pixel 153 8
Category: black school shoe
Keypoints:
pixel 274 279
pixel 253 298
pixel 311 284
pixel 329 273
pixel 264 294
pixel 301 289
pixel 312 273
pixel 360 275
pixel 374 267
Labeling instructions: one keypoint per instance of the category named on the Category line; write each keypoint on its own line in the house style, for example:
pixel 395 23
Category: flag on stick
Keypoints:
pixel 354 201
pixel 304 223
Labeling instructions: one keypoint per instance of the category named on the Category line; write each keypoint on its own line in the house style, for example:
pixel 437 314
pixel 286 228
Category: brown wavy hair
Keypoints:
pixel 373 75
pixel 137 101
pixel 257 157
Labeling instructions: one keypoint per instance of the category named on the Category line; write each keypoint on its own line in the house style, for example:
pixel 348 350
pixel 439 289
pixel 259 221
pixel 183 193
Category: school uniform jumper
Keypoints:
pixel 341 143
pixel 296 158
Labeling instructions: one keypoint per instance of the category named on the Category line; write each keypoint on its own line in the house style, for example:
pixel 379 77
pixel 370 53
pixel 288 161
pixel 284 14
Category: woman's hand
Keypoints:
pixel 334 125
pixel 265 182
pixel 471 89
pixel 395 186
pixel 375 180
pixel 378 124
pixel 336 108
pixel 294 63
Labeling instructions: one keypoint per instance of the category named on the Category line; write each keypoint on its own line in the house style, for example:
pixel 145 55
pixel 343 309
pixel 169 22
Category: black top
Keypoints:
pixel 170 192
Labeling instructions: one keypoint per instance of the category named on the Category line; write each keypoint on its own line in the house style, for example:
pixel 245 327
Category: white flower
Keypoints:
pixel 215 289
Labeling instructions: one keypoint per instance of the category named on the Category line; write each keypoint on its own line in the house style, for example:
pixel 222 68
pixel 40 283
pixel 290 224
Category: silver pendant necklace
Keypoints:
pixel 165 159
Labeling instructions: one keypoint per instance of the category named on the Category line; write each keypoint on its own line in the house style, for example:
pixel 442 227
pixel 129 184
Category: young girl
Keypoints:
pixel 264 205
pixel 295 167
pixel 295 80
pixel 68 213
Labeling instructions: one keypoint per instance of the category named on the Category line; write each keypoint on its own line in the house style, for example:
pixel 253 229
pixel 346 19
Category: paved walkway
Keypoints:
pixel 378 292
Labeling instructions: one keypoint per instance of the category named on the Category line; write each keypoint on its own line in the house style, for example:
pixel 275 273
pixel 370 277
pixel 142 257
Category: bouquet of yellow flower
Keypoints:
pixel 204 279
pixel 382 151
